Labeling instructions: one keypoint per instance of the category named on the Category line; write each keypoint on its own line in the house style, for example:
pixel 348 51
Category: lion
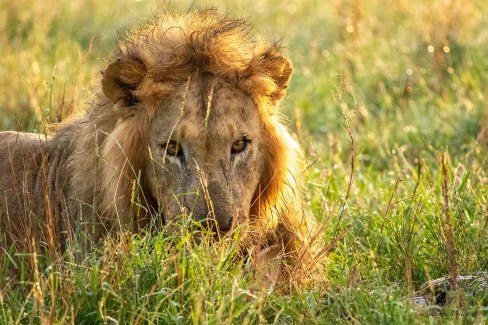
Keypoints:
pixel 185 121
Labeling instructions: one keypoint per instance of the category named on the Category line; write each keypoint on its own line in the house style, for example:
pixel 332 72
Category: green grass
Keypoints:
pixel 410 80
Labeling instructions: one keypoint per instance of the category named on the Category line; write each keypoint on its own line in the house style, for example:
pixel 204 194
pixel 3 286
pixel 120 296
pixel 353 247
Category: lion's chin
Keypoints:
pixel 237 235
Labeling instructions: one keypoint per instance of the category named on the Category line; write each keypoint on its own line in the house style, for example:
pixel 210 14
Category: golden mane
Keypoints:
pixel 159 57
pixel 174 46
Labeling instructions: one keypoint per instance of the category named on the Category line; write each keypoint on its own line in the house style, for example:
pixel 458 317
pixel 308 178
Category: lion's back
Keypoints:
pixel 19 152
pixel 20 157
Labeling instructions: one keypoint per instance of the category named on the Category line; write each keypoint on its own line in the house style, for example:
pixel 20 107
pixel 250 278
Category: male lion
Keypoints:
pixel 185 121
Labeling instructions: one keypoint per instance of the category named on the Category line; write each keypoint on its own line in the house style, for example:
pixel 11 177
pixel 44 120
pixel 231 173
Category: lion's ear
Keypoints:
pixel 279 68
pixel 121 78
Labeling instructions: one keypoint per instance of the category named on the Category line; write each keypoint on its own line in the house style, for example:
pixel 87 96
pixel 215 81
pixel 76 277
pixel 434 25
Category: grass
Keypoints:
pixel 405 80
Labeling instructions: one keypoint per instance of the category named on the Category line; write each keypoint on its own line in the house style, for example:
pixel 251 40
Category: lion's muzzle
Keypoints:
pixel 212 206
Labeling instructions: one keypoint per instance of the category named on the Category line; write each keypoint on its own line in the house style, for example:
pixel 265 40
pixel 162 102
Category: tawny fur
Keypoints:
pixel 79 183
pixel 482 136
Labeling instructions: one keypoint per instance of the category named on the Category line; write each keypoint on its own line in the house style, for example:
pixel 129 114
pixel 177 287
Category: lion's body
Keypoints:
pixel 32 182
pixel 20 159
pixel 185 121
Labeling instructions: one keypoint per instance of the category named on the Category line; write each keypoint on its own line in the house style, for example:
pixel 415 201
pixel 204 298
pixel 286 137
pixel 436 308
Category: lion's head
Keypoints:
pixel 192 100
pixel 207 153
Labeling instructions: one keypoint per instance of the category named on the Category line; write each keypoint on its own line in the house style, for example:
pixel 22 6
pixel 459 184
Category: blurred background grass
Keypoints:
pixel 408 76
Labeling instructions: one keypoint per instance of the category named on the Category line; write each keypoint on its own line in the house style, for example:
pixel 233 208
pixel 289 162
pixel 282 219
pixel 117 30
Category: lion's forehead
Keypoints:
pixel 219 113
pixel 196 132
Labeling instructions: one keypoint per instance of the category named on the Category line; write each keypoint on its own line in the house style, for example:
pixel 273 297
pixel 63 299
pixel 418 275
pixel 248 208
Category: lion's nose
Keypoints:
pixel 220 221
pixel 223 218
pixel 225 225
pixel 215 209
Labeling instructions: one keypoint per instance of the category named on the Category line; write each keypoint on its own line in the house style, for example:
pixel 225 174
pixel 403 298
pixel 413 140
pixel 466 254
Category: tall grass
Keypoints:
pixel 380 90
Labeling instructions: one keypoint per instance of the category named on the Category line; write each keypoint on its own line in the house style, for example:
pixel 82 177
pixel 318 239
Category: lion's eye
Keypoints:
pixel 173 148
pixel 239 146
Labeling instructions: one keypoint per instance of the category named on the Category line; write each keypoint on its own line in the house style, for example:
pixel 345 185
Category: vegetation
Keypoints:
pixel 388 99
